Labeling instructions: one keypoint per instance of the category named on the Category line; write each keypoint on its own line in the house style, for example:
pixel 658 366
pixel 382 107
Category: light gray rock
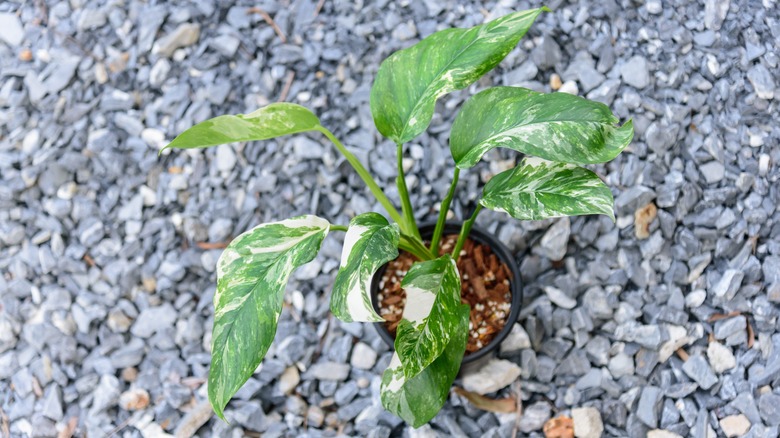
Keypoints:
pixel 735 425
pixel 106 394
pixel 649 407
pixel 496 374
pixel 632 199
pixel 761 80
pixel 554 242
pixel 91 19
pixel 721 358
pixel 769 407
pixel 729 284
pixel 516 340
pixel 186 34
pixel 534 417
pixel 697 368
pixel 306 148
pixel 587 423
pixel 153 319
pixel 654 7
pixel 715 12
pixel 621 365
pixel 559 298
pixel 363 356
pixel 226 159
pixel 11 31
pixel 713 172
pixel 729 326
pixel 330 371
pixel 635 72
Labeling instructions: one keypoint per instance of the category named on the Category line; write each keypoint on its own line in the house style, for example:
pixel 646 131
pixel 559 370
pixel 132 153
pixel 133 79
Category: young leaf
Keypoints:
pixel 538 189
pixel 370 242
pixel 556 127
pixel 251 276
pixel 429 318
pixel 410 80
pixel 419 399
pixel 274 120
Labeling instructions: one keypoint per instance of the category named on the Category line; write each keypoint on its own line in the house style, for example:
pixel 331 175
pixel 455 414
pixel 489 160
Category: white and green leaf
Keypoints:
pixel 370 242
pixel 418 399
pixel 537 189
pixel 274 120
pixel 252 274
pixel 556 127
pixel 429 317
pixel 409 81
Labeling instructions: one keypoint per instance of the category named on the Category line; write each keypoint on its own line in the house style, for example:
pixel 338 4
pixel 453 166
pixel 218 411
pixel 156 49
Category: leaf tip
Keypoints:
pixel 545 9
pixel 217 409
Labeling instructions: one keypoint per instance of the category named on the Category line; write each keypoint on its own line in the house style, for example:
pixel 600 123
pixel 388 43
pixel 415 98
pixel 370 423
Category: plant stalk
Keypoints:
pixel 415 247
pixel 365 176
pixel 334 227
pixel 464 232
pixel 403 193
pixel 443 210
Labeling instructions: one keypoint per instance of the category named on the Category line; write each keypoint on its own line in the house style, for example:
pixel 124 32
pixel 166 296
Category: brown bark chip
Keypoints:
pixel 484 287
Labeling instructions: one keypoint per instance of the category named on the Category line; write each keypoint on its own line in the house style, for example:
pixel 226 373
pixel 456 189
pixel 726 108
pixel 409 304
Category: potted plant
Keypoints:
pixel 560 131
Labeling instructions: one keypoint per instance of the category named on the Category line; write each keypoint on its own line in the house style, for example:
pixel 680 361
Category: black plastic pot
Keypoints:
pixel 504 255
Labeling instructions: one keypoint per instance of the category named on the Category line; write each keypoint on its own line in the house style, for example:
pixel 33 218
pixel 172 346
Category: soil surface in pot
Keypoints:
pixel 484 287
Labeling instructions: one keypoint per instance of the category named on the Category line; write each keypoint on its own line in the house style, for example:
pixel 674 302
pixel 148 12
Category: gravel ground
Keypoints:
pixel 663 325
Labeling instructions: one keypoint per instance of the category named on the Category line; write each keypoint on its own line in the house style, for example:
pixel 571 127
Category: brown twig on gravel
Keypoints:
pixel 517 390
pixel 287 84
pixel 69 429
pixel 719 316
pixel 317 10
pixel 269 20
pixel 211 245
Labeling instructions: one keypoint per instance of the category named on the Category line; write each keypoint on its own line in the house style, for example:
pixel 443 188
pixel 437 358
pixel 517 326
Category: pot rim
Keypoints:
pixel 503 253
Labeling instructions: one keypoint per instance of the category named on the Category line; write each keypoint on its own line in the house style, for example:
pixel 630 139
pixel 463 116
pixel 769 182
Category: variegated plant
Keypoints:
pixel 560 132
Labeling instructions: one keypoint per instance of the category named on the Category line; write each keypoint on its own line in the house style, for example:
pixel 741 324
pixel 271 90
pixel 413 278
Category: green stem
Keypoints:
pixel 443 210
pixel 464 232
pixel 334 227
pixel 415 247
pixel 364 175
pixel 403 193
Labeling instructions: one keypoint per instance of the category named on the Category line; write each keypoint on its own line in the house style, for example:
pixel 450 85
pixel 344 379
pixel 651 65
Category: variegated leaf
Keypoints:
pixel 419 399
pixel 370 242
pixel 252 274
pixel 410 80
pixel 432 297
pixel 538 189
pixel 556 127
pixel 274 120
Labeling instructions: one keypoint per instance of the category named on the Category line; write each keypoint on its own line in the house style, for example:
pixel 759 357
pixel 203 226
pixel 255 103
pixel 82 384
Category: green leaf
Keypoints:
pixel 538 189
pixel 419 399
pixel 410 80
pixel 429 318
pixel 274 120
pixel 252 274
pixel 556 127
pixel 370 242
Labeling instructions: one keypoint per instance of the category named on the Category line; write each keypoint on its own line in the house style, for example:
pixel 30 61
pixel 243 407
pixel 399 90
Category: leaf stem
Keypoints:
pixel 443 210
pixel 403 193
pixel 415 247
pixel 334 227
pixel 364 175
pixel 464 232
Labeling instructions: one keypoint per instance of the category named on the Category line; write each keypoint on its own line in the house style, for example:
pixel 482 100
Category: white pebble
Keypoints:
pixel 763 164
pixel 569 87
